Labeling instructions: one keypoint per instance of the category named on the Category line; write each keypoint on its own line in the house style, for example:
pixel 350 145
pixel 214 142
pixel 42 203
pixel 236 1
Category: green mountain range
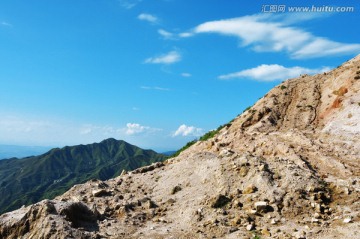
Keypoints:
pixel 29 180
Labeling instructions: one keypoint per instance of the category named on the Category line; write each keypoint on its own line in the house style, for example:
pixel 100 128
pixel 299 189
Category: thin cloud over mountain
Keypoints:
pixel 266 33
pixel 272 72
pixel 185 130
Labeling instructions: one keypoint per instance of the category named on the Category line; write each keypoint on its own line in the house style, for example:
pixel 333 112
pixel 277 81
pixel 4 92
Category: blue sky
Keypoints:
pixel 156 73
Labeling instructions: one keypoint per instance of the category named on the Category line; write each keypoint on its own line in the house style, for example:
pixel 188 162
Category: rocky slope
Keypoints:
pixel 289 167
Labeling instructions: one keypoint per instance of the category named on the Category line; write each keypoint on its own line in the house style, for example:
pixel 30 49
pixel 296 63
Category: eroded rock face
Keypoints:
pixel 80 216
pixel 291 161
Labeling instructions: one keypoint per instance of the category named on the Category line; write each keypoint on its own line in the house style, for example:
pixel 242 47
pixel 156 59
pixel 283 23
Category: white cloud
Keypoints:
pixel 25 130
pixel 30 130
pixel 185 74
pixel 168 58
pixel 134 129
pixel 186 34
pixel 166 34
pixel 105 131
pixel 16 125
pixel 274 33
pixel 6 24
pixel 185 130
pixel 273 72
pixel 128 4
pixel 148 17
pixel 154 88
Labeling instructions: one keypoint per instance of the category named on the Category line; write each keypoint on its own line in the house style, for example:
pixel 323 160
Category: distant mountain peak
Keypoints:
pixel 49 174
pixel 112 140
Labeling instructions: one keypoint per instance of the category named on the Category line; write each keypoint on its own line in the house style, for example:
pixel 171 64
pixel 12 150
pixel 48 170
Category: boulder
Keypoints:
pixel 261 206
pixel 100 193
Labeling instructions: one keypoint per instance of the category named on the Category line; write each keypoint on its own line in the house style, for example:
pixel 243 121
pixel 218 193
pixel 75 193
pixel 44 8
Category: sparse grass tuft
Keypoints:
pixel 187 145
pixel 256 236
pixel 212 133
pixel 247 108
pixel 208 135
pixel 205 137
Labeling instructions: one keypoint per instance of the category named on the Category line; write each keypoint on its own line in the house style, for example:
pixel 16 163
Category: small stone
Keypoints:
pixel 215 221
pixel 237 203
pixel 102 185
pixel 261 206
pixel 171 201
pixel 149 204
pixel 276 176
pixel 233 229
pixel 250 227
pixel 243 171
pixel 314 220
pixel 226 152
pixel 263 167
pixel 265 232
pixel 220 201
pixel 176 189
pixel 236 221
pixel 317 215
pixel 100 193
pixel 273 221
pixel 252 211
pixel 347 220
pixel 250 189
pixel 300 235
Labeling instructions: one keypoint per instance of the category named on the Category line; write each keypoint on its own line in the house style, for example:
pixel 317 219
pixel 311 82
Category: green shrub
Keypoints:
pixel 205 137
pixel 208 135
pixel 187 145
pixel 283 87
pixel 247 108
pixel 212 133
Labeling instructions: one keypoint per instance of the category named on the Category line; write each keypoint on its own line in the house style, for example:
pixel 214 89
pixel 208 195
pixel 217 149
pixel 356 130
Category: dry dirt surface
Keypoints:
pixel 289 167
